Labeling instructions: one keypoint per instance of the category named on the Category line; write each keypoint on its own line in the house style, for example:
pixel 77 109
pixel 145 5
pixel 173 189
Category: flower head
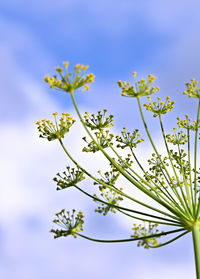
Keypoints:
pixel 111 198
pixel 141 88
pixel 186 123
pixel 69 178
pixel 141 231
pixel 69 223
pixel 99 121
pixel 192 90
pixel 103 139
pixel 69 82
pixel 128 140
pixel 55 130
pixel 160 107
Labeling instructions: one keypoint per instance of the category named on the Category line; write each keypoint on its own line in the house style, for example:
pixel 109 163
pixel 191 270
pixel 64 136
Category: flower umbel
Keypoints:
pixel 160 107
pixel 55 130
pixel 186 123
pixel 69 178
pixel 102 139
pixel 69 82
pixel 111 197
pixel 99 121
pixel 192 90
pixel 141 88
pixel 128 140
pixel 71 224
pixel 177 138
pixel 140 231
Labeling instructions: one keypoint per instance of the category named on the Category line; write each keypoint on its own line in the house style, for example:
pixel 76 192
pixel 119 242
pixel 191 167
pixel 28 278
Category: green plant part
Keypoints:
pixel 177 138
pixel 69 82
pixel 140 231
pixel 108 178
pixel 180 161
pixel 112 199
pixel 185 123
pixel 160 107
pixel 141 88
pixel 71 224
pixel 102 139
pixel 57 130
pixel 192 89
pixel 123 163
pixel 171 182
pixel 128 140
pixel 69 178
pixel 99 121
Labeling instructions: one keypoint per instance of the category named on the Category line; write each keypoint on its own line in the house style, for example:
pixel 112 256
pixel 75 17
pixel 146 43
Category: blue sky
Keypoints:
pixel 115 38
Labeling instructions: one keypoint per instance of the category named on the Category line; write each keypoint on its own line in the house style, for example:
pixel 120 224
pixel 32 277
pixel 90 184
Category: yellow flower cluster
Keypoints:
pixel 69 82
pixel 128 139
pixel 141 88
pixel 99 121
pixel 68 178
pixel 186 123
pixel 71 224
pixel 160 107
pixel 142 231
pixel 51 130
pixel 110 197
pixel 177 138
pixel 192 89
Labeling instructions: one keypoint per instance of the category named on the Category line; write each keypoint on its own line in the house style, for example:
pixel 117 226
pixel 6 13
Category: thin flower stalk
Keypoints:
pixel 164 168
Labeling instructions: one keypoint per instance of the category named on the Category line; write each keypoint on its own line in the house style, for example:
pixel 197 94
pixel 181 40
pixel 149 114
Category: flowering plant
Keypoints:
pixel 172 180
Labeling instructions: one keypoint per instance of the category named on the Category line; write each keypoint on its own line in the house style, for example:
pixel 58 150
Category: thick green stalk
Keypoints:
pixel 196 242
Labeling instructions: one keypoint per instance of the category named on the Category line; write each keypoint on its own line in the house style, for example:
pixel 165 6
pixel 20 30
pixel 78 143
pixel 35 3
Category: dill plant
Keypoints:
pixel 172 181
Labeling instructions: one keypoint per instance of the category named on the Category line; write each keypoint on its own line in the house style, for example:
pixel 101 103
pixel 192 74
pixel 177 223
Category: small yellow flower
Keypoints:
pixel 47 78
pixel 86 87
pixel 134 74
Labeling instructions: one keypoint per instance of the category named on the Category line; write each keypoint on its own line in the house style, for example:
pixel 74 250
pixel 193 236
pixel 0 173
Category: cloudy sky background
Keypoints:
pixel 115 38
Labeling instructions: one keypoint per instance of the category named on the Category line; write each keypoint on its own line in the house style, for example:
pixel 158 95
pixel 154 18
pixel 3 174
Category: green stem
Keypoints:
pixel 130 239
pixel 148 220
pixel 170 241
pixel 114 189
pixel 186 186
pixel 189 161
pixel 119 208
pixel 198 210
pixel 169 154
pixel 119 168
pixel 169 195
pixel 196 242
pixel 143 180
pixel 195 155
pixel 153 145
